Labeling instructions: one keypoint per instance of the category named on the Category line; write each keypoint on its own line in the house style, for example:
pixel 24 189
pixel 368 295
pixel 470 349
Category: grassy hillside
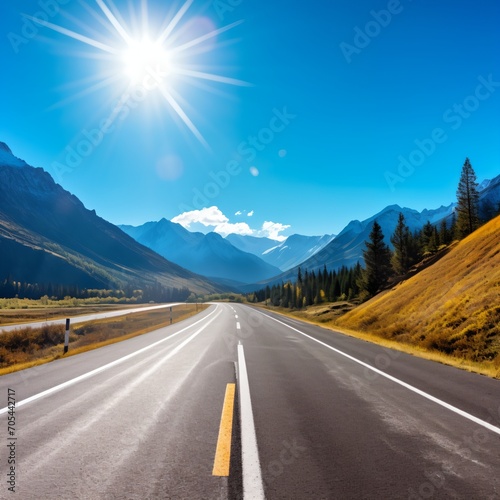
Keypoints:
pixel 452 306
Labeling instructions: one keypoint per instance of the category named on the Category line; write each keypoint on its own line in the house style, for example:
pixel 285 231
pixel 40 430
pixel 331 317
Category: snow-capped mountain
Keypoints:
pixel 295 250
pixel 210 255
pixel 251 244
pixel 489 198
pixel 284 255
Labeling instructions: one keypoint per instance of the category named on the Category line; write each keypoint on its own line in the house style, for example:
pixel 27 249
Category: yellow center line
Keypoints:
pixel 223 451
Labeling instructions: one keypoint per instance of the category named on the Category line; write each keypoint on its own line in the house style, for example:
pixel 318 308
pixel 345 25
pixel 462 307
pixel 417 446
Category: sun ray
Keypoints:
pixel 184 117
pixel 93 88
pixel 212 77
pixel 112 19
pixel 102 20
pixel 173 23
pixel 73 34
pixel 203 38
pixel 144 16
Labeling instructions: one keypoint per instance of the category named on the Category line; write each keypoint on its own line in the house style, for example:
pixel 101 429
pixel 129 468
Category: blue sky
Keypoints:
pixel 315 114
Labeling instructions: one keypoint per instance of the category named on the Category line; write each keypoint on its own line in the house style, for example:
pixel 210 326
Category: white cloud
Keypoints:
pixel 214 219
pixel 239 212
pixel 211 216
pixel 272 230
pixel 238 228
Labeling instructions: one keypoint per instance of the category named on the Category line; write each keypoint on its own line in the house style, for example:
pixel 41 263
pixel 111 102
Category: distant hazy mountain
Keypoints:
pixel 489 197
pixel 251 244
pixel 48 236
pixel 295 250
pixel 209 255
pixel 285 255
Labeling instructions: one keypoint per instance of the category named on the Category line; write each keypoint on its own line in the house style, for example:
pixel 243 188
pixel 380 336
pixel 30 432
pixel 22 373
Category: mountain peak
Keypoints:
pixel 484 185
pixel 4 147
pixel 8 159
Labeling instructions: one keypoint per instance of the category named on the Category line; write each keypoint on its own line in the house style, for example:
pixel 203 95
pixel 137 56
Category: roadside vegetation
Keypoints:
pixel 218 297
pixel 452 307
pixel 26 347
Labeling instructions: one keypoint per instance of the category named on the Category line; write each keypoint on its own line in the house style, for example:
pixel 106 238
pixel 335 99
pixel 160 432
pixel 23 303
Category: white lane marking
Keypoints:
pixel 253 488
pixel 452 408
pixel 238 326
pixel 118 361
pixel 236 316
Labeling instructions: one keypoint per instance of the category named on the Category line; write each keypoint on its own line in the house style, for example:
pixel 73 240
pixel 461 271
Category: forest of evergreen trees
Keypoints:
pixel 156 292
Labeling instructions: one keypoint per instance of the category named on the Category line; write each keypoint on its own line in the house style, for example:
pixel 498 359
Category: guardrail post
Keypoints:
pixel 66 337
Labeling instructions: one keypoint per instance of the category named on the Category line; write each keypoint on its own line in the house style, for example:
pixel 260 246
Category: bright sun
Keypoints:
pixel 141 58
pixel 144 60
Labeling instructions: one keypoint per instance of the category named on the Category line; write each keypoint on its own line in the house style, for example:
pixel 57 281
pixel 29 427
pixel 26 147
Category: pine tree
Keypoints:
pixel 467 202
pixel 425 237
pixel 444 233
pixel 401 241
pixel 377 262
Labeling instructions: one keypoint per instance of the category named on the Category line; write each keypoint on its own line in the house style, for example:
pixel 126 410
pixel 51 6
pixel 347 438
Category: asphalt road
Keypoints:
pixel 332 418
pixel 87 317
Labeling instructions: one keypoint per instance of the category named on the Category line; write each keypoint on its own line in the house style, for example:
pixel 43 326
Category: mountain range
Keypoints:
pixel 208 254
pixel 48 236
pixel 284 255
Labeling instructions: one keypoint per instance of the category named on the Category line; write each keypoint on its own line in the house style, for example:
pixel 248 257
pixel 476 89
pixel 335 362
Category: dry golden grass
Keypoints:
pixel 322 313
pixel 27 347
pixel 452 307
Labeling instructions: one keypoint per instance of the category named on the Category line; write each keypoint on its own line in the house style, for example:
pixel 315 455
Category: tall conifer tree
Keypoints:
pixel 377 261
pixel 467 201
